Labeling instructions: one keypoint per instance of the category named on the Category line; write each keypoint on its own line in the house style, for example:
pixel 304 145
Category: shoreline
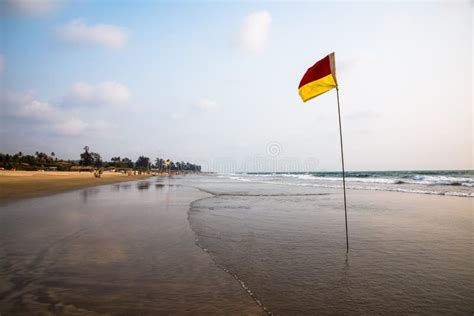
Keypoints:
pixel 245 288
pixel 387 229
pixel 137 256
pixel 177 240
pixel 19 185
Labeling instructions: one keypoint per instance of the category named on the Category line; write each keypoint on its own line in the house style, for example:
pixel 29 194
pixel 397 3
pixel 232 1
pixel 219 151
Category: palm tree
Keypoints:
pixel 160 164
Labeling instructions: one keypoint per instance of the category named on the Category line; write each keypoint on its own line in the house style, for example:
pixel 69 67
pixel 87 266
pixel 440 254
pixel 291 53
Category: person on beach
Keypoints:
pixel 98 173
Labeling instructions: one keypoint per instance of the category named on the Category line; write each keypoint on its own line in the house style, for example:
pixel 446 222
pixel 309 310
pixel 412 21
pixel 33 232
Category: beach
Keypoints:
pixel 15 185
pixel 121 249
pixel 410 252
pixel 221 245
pixel 236 158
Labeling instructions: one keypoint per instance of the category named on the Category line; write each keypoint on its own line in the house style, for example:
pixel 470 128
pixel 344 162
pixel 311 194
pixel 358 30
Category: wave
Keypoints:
pixel 366 178
pixel 442 180
pixel 245 178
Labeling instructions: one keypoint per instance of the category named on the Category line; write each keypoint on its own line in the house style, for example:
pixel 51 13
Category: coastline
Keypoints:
pixel 141 250
pixel 18 185
pixel 297 238
pixel 209 246
pixel 245 288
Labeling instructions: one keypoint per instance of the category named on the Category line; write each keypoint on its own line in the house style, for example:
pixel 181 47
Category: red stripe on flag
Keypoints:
pixel 321 69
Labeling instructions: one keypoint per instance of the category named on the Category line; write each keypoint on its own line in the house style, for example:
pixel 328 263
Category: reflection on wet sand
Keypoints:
pixel 86 193
pixel 110 251
pixel 121 186
pixel 143 185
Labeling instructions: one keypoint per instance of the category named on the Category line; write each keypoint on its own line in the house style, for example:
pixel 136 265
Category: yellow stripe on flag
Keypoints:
pixel 317 87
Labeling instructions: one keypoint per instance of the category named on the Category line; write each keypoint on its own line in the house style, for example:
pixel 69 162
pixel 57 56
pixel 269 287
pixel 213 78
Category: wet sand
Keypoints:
pixel 123 249
pixel 128 249
pixel 409 253
pixel 16 185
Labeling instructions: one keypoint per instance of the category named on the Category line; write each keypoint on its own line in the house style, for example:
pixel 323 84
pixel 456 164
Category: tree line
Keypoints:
pixel 90 159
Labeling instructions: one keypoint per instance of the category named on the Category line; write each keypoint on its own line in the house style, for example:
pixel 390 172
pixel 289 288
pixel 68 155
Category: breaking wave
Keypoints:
pixel 437 183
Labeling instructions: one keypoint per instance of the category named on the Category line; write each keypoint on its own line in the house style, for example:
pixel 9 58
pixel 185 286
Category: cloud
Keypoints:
pixel 254 32
pixel 28 109
pixel 30 7
pixel 76 126
pixel 106 35
pixel 72 126
pixel 109 93
pixel 207 105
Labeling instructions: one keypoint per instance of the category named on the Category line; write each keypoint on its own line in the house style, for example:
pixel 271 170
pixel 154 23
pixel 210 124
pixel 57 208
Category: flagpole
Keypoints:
pixel 343 171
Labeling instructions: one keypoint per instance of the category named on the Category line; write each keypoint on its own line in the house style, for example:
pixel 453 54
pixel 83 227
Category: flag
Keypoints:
pixel 319 78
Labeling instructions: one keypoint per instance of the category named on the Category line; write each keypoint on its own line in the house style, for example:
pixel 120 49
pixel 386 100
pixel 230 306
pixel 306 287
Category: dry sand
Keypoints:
pixel 15 185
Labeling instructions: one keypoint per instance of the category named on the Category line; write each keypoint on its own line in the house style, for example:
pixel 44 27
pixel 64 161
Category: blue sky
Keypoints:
pixel 216 82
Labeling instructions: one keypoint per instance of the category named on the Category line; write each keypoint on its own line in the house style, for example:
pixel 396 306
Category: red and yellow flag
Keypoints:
pixel 320 78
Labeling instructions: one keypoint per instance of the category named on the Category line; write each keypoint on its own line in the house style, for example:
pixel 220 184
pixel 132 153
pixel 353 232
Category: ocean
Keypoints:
pixel 282 235
pixel 455 183
pixel 229 243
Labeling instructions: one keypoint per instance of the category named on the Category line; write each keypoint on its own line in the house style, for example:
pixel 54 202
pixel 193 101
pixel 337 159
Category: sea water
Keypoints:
pixel 283 236
pixel 127 248
pixel 457 183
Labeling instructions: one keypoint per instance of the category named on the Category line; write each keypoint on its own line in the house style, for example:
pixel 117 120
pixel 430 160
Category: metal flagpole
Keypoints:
pixel 343 171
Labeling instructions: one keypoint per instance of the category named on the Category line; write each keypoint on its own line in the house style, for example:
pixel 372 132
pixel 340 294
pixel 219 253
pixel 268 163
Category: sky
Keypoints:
pixel 215 83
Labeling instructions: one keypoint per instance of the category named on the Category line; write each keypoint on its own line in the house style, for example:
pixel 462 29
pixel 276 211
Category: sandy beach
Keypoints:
pixel 121 249
pixel 15 185
pixel 409 252
pixel 214 245
pixel 236 158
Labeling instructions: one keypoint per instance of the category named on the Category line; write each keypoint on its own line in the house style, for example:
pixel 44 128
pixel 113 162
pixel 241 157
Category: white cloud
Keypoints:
pixel 77 32
pixel 72 126
pixel 25 106
pixel 105 93
pixel 76 126
pixel 31 110
pixel 207 105
pixel 30 7
pixel 254 32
